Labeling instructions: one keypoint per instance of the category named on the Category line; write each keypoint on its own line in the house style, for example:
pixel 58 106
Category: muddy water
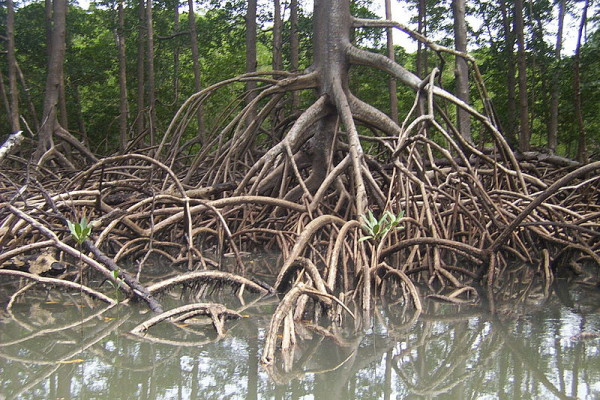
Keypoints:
pixel 54 347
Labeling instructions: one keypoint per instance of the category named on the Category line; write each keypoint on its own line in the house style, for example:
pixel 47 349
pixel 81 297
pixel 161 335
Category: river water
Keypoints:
pixel 55 346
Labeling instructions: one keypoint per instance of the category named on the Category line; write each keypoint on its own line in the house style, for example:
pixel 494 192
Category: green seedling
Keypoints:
pixel 378 229
pixel 80 231
pixel 116 286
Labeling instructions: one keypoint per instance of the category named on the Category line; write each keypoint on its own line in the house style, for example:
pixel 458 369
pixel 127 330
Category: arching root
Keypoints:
pixel 284 314
pixel 217 312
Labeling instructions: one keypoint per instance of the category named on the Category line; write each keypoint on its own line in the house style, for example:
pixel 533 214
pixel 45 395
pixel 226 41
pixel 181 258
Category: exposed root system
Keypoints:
pixel 469 220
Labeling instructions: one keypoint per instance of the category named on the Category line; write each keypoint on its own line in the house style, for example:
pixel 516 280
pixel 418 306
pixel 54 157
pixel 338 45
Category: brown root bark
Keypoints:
pixel 301 188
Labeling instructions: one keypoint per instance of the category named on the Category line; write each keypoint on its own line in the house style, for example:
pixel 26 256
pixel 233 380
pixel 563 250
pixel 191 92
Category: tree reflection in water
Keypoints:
pixel 447 352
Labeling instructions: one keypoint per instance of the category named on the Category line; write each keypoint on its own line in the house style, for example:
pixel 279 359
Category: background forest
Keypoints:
pixel 127 68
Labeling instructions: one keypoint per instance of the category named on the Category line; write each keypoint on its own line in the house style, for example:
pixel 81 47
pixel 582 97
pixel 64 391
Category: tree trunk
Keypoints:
pixel 15 124
pixel 392 86
pixel 540 70
pixel 332 24
pixel 54 74
pixel 34 116
pixel 62 101
pixel 176 56
pixel 277 36
pixel 524 131
pixel 461 71
pixel 196 64
pixel 123 103
pixel 4 95
pixel 555 84
pixel 294 47
pixel 582 155
pixel 141 70
pixel 511 78
pixel 63 119
pixel 251 46
pixel 331 40
pixel 151 76
pixel 422 29
pixel 48 5
pixel 277 61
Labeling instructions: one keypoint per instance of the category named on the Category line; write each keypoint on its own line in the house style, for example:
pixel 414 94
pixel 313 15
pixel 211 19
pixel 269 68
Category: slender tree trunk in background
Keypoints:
pixel 48 13
pixel 294 47
pixel 511 78
pixel 422 49
pixel 461 71
pixel 196 64
pixel 582 155
pixel 4 95
pixel 63 119
pixel 392 86
pixel 176 56
pixel 555 83
pixel 251 49
pixel 33 122
pixel 13 90
pixel 422 29
pixel 123 103
pixel 540 70
pixel 151 76
pixel 54 74
pixel 141 70
pixel 277 36
pixel 277 61
pixel 524 132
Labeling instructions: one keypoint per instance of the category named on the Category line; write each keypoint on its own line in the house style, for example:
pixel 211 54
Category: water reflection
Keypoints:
pixel 447 353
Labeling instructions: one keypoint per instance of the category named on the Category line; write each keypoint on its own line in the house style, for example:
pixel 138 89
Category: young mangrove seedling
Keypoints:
pixel 378 229
pixel 116 286
pixel 80 231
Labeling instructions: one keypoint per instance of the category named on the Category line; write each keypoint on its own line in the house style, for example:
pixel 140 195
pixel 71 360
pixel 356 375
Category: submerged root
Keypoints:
pixel 284 314
pixel 238 282
pixel 59 283
pixel 217 312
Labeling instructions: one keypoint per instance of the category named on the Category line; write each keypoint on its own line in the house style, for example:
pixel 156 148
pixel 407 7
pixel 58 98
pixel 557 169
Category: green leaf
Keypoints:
pixel 376 229
pixel 80 230
pixel 71 228
pixel 372 218
pixel 388 215
pixel 399 217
